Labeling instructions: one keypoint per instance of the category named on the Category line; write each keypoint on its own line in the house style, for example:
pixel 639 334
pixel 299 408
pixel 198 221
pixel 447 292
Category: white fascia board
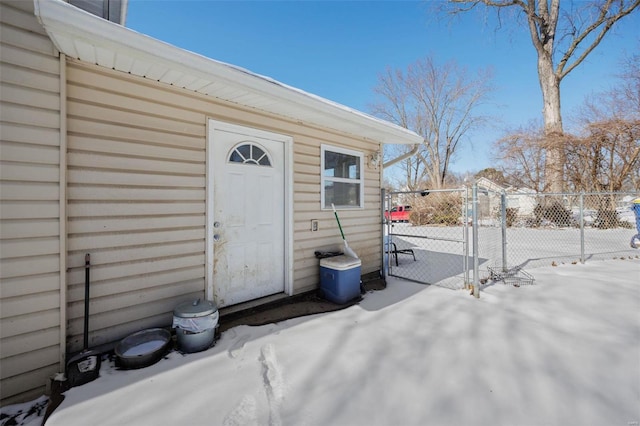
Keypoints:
pixel 70 27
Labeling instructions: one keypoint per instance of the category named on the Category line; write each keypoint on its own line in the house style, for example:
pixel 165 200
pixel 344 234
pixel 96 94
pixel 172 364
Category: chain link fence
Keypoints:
pixel 429 234
pixel 528 230
pixel 426 238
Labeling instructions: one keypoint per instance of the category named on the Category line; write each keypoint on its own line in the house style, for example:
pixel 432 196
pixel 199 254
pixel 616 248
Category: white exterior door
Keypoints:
pixel 247 212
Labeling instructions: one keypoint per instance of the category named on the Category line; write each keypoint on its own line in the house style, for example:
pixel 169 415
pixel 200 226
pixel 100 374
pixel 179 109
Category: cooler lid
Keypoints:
pixel 340 262
pixel 195 308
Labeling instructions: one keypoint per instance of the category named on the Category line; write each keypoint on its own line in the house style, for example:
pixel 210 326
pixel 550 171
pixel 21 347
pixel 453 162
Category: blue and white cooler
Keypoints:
pixel 340 278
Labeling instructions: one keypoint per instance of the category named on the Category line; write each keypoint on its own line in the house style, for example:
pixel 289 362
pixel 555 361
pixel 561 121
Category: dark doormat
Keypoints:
pixel 295 306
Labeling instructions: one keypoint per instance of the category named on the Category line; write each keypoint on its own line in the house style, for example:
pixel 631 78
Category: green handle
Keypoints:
pixel 335 213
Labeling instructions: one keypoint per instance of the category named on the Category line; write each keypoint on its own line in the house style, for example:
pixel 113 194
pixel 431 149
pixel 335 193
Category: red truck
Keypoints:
pixel 398 214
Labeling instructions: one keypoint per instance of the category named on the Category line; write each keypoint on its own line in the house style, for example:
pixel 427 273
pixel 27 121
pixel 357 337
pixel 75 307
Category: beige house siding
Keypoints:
pixel 136 198
pixel 30 206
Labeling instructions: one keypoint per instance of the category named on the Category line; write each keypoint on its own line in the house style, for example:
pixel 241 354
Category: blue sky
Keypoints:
pixel 336 49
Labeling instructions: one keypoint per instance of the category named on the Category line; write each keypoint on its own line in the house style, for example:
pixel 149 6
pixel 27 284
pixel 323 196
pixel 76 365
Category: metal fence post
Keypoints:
pixel 474 225
pixel 382 222
pixel 503 217
pixel 465 238
pixel 582 228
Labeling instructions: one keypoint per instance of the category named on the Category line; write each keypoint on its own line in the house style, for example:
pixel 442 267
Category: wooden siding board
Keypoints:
pixel 29 323
pixel 141 252
pixel 102 177
pixel 103 97
pixel 124 270
pixel 29 191
pixel 119 301
pixel 34 228
pixel 22 5
pixel 88 243
pixel 108 145
pixel 18 18
pixel 308 179
pixel 25 343
pixel 29 247
pixel 32 265
pixel 25 115
pixel 138 224
pixel 109 193
pixel 23 172
pixel 110 114
pixel 142 208
pixel 27 153
pixel 307 148
pixel 28 78
pixel 15 36
pixel 149 138
pixel 13 133
pixel 138 283
pixel 19 364
pixel 21 286
pixel 35 61
pixel 29 97
pixel 134 165
pixel 309 169
pixel 32 303
pixel 28 210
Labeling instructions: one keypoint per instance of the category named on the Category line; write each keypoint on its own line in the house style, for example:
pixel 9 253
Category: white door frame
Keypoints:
pixel 287 141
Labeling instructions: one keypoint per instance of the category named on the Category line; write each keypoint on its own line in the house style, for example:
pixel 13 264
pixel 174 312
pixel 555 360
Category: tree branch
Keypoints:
pixel 608 22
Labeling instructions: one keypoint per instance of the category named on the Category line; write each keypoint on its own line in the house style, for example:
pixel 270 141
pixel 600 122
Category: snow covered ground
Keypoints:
pixel 563 351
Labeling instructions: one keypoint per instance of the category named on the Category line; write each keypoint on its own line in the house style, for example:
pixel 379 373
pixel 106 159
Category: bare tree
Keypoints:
pixel 437 102
pixel 629 95
pixel 522 155
pixel 605 153
pixel 562 38
pixel 607 156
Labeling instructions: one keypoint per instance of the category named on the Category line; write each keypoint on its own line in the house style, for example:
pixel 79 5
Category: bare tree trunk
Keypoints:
pixel 550 85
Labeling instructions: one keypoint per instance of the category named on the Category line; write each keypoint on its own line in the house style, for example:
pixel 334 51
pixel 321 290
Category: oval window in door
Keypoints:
pixel 250 153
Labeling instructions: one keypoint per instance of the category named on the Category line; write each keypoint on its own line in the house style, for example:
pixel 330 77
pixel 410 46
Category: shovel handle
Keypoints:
pixel 87 266
pixel 335 213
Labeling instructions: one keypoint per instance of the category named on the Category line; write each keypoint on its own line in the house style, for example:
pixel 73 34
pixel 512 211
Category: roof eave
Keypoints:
pixel 81 35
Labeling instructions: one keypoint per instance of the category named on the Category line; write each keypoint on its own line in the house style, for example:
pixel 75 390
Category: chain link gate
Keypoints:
pixel 426 236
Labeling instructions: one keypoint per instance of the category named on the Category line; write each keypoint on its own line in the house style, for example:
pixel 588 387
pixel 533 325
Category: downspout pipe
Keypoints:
pixel 402 157
pixel 63 211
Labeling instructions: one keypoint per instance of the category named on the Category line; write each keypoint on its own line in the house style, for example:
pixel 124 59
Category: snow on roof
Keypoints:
pixel 81 35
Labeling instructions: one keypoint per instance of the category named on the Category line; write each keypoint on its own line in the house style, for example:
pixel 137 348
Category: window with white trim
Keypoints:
pixel 342 178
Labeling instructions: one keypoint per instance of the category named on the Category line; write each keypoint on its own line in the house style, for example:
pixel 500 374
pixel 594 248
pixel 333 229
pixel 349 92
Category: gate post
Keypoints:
pixel 383 267
pixel 474 225
pixel 465 237
pixel 582 228
pixel 503 218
